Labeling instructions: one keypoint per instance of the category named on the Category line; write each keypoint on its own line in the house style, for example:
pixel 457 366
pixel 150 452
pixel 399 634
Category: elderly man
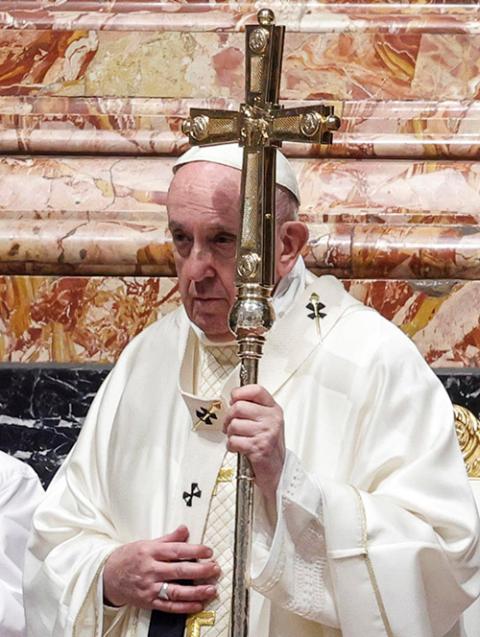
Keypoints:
pixel 364 521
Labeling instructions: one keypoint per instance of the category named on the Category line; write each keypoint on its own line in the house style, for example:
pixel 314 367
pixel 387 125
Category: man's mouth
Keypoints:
pixel 207 299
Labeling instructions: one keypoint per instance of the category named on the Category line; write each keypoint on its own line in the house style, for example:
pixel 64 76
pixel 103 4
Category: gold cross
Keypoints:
pixel 195 622
pixel 260 126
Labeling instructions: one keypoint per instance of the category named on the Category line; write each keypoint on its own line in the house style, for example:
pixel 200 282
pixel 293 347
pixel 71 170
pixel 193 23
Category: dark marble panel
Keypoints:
pixel 463 387
pixel 42 408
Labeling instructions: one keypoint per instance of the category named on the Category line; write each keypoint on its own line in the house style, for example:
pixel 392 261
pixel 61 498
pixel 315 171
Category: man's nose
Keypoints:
pixel 200 264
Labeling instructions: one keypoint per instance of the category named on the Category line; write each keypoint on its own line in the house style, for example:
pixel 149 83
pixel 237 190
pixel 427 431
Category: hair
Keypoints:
pixel 286 205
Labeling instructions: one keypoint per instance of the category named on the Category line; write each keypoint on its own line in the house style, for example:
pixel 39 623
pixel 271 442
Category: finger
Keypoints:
pixel 179 535
pixel 252 393
pixel 177 551
pixel 240 444
pixel 178 608
pixel 247 410
pixel 244 428
pixel 171 571
pixel 181 593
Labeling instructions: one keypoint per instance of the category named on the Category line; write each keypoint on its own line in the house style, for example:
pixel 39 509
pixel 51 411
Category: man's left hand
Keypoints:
pixel 255 428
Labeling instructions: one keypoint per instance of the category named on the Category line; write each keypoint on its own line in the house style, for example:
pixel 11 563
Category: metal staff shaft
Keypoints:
pixel 251 318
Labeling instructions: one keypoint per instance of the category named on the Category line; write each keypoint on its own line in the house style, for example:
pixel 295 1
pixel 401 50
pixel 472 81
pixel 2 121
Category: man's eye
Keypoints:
pixel 224 238
pixel 179 237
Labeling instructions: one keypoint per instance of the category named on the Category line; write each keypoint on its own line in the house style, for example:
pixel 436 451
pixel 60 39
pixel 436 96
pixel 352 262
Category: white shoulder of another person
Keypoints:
pixel 13 471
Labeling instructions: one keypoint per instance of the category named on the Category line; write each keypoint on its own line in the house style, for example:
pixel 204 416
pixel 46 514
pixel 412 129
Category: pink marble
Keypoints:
pixel 311 15
pixel 105 215
pixel 150 126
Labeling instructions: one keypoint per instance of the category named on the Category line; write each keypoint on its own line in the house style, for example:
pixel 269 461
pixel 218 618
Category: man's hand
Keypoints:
pixel 255 428
pixel 134 573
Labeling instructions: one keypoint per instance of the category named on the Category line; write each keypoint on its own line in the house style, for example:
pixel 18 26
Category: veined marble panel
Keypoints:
pixel 463 387
pixel 413 129
pixel 209 15
pixel 412 251
pixel 77 319
pixel 42 412
pixel 367 219
pixel 342 65
pixel 119 245
pixel 441 317
pixel 91 319
pixel 331 189
pixel 43 409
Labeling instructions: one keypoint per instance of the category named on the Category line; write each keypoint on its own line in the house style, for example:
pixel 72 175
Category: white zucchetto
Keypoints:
pixel 232 155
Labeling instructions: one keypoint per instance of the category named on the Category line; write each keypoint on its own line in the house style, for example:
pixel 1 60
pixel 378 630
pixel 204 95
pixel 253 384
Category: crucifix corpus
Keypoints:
pixel 260 126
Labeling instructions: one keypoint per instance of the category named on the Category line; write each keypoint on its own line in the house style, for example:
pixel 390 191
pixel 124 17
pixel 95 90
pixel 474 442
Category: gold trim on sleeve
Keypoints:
pixel 195 622
pixel 467 427
pixel 368 562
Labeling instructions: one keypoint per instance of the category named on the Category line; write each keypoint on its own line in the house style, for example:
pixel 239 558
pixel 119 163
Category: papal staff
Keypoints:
pixel 260 126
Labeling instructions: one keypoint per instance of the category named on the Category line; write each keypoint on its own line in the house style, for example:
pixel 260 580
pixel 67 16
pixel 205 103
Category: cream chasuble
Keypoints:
pixel 376 531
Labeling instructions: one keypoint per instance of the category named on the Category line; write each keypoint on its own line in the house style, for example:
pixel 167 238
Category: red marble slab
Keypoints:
pixel 91 319
pixel 441 317
pixel 77 319
pixel 340 64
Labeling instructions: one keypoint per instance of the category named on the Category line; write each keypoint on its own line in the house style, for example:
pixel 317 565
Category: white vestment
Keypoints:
pixel 376 531
pixel 20 493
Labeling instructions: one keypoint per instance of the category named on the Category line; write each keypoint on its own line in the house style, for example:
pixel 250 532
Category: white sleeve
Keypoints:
pixel 19 497
pixel 393 551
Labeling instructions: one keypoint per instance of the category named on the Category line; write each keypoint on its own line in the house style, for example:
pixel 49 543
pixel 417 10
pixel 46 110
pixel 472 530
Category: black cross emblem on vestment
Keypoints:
pixel 205 415
pixel 315 308
pixel 194 493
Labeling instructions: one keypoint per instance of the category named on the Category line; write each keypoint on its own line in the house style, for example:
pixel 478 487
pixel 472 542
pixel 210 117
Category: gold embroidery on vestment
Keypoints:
pixel 195 622
pixel 225 474
pixel 371 572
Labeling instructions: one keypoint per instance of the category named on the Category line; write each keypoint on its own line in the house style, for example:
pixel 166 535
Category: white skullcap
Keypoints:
pixel 232 155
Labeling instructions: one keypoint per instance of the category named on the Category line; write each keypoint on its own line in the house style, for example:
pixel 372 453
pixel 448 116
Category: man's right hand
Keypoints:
pixel 134 573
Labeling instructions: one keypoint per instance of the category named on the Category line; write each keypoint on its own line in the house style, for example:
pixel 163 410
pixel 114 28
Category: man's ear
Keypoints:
pixel 292 239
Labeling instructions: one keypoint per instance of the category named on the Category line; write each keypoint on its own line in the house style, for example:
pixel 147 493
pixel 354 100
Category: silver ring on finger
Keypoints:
pixel 163 592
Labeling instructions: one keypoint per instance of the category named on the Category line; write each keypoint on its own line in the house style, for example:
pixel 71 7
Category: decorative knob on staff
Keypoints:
pixel 260 126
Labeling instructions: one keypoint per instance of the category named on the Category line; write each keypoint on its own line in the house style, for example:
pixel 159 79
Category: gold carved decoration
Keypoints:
pixel 195 622
pixel 467 427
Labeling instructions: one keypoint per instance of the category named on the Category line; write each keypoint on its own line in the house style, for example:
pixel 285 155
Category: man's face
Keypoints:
pixel 203 211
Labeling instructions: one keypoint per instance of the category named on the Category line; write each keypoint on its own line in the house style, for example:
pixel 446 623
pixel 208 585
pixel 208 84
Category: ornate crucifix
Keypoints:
pixel 260 126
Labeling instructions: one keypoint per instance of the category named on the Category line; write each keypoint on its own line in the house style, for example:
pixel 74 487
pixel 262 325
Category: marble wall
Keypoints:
pixel 92 95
